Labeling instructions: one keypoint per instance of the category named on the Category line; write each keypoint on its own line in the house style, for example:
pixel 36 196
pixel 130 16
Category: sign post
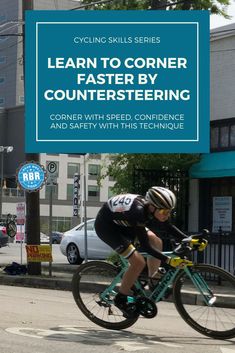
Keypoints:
pixel 20 216
pixel 52 173
pixel 31 177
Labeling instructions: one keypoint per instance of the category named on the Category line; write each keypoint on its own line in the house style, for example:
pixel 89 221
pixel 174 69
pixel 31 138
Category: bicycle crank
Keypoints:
pixel 146 307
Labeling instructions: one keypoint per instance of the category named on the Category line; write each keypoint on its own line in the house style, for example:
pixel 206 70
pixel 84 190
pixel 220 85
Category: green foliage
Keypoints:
pixel 122 166
pixel 119 5
pixel 217 7
pixel 113 258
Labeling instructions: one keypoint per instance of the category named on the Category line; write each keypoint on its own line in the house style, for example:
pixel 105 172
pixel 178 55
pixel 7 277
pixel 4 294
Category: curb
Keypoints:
pixel 36 282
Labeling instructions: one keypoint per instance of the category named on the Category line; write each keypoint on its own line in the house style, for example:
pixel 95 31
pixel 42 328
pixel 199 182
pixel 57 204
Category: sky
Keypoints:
pixel 218 21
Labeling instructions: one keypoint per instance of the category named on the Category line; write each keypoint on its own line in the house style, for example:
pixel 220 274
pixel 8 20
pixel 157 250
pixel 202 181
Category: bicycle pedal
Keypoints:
pixel 129 311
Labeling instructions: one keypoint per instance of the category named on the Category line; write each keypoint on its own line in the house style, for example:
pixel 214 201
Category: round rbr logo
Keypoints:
pixel 31 176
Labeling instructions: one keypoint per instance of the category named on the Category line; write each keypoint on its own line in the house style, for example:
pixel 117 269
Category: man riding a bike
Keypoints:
pixel 123 219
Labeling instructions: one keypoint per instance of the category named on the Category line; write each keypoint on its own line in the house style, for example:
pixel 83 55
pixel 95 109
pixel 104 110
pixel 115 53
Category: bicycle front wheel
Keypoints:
pixel 88 286
pixel 11 229
pixel 208 305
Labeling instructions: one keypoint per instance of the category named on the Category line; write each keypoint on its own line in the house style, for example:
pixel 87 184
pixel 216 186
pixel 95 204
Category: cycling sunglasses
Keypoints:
pixel 163 211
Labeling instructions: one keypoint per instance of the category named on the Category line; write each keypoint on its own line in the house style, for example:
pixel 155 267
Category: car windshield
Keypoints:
pixel 90 226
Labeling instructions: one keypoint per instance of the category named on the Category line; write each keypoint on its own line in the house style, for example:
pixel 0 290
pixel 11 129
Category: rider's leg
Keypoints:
pixel 152 262
pixel 136 266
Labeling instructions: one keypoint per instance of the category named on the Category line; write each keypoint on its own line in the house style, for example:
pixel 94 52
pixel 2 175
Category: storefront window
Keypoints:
pixel 232 136
pixel 214 137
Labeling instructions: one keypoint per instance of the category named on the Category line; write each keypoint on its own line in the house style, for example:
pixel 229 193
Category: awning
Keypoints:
pixel 214 165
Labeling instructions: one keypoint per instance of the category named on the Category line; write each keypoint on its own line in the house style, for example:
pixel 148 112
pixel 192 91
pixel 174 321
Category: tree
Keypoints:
pixel 122 166
pixel 217 7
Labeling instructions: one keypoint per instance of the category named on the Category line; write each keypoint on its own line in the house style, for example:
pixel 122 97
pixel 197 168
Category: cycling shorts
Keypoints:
pixel 119 238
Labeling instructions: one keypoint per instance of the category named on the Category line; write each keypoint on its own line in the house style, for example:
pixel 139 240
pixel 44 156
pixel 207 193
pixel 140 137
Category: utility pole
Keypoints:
pixel 32 198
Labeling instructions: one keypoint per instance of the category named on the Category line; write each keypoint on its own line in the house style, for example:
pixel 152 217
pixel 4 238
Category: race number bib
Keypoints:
pixel 121 203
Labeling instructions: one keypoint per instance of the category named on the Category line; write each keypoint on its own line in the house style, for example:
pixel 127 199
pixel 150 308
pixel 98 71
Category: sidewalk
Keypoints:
pixel 61 277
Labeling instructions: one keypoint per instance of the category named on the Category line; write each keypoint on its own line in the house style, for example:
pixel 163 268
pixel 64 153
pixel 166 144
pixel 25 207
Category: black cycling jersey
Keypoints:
pixel 127 216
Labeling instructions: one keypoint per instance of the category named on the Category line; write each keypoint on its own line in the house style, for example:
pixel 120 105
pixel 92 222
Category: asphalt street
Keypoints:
pixel 39 321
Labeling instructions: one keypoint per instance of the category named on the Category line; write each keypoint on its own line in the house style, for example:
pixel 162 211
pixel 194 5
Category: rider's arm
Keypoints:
pixel 174 231
pixel 142 236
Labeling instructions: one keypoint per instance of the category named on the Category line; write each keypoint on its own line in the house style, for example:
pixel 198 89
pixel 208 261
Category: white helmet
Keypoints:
pixel 161 198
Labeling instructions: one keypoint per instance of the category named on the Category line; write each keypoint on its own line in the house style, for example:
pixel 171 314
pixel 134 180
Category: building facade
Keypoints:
pixel 12 132
pixel 212 185
pixel 214 175
pixel 11 46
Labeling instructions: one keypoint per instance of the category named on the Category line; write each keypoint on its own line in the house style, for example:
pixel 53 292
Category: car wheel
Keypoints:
pixel 73 255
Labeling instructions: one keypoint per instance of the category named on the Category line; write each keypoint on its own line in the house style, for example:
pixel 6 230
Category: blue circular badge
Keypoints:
pixel 31 176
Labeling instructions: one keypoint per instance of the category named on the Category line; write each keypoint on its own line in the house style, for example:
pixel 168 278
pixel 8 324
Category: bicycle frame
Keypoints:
pixel 161 287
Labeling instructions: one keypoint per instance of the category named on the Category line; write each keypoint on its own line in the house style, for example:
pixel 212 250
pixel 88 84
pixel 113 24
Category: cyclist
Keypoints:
pixel 123 219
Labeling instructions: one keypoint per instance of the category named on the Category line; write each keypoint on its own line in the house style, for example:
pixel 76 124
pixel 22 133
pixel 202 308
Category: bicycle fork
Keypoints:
pixel 202 286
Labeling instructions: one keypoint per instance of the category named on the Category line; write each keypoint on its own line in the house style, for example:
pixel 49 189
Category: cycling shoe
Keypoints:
pixel 129 310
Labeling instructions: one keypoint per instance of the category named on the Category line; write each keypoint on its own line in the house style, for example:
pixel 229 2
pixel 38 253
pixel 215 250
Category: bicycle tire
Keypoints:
pixel 216 320
pixel 11 229
pixel 88 282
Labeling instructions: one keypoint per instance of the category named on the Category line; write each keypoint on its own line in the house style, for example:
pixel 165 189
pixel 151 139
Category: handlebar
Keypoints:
pixel 187 245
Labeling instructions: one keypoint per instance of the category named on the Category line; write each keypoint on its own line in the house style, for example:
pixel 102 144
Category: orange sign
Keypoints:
pixel 39 253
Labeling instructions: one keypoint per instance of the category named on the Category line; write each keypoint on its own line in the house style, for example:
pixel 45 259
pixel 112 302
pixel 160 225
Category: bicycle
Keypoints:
pixel 11 227
pixel 203 294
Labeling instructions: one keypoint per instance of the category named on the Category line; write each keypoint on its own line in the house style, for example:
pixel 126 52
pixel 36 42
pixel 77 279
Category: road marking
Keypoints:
pixel 167 344
pixel 75 334
pixel 130 346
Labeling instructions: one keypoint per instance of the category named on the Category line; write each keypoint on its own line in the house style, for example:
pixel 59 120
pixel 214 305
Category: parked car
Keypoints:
pixel 73 244
pixel 56 237
pixel 44 238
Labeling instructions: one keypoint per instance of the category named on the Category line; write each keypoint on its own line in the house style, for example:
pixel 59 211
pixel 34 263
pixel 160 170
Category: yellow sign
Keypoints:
pixel 39 253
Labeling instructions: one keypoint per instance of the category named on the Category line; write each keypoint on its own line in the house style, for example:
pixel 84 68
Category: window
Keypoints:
pixel 223 135
pixel 72 169
pixel 232 136
pixel 214 137
pixel 3 59
pixel 93 193
pixel 54 192
pixel 2 101
pixel 93 171
pixel 21 99
pixel 3 18
pixel 90 226
pixel 70 192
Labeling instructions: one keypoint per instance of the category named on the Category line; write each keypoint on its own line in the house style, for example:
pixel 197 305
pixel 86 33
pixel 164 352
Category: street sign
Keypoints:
pixel 20 213
pixel 52 169
pixel 31 176
pixel 76 196
pixel 52 173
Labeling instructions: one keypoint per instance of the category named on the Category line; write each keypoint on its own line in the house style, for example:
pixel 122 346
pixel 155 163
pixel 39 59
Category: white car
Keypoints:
pixel 73 244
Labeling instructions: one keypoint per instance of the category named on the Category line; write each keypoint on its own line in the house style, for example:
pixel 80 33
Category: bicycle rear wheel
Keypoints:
pixel 214 316
pixel 88 285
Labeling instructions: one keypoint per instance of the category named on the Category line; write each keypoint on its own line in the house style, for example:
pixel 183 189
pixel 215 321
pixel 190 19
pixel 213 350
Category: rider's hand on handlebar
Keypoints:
pixel 178 262
pixel 198 244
